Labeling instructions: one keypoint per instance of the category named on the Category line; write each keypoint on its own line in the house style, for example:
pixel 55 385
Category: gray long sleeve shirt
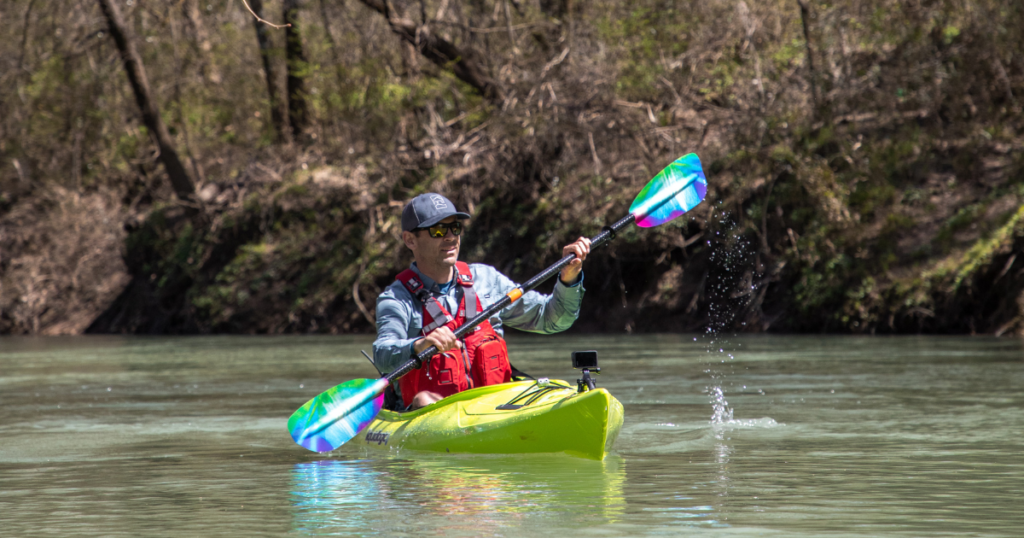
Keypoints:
pixel 400 316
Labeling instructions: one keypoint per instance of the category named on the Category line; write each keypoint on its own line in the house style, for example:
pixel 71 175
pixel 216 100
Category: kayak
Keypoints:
pixel 510 418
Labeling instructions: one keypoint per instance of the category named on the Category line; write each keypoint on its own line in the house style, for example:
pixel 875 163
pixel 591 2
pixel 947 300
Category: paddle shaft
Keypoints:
pixel 606 235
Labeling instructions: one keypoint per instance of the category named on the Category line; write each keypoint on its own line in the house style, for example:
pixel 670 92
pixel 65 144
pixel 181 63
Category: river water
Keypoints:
pixel 739 435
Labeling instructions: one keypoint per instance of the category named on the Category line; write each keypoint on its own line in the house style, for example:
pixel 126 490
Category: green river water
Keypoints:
pixel 739 435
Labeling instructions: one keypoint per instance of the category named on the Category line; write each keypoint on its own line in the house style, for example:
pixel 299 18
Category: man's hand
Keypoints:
pixel 442 338
pixel 580 248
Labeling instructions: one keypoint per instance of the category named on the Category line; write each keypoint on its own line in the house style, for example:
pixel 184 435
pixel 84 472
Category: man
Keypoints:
pixel 429 301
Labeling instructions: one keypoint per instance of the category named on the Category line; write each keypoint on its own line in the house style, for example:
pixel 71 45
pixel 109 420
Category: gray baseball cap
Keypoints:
pixel 427 210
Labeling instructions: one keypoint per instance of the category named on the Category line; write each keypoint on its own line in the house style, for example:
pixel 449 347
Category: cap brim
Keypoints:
pixel 460 215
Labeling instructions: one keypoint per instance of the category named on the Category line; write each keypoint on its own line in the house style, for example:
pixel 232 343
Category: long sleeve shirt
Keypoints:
pixel 400 316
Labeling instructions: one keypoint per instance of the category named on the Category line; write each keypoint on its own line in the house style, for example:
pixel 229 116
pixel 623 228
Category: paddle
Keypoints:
pixel 338 414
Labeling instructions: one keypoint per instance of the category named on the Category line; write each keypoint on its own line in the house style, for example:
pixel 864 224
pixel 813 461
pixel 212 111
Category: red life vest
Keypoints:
pixel 480 360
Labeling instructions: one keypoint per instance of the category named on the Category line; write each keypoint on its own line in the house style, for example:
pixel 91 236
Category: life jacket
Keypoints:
pixel 481 358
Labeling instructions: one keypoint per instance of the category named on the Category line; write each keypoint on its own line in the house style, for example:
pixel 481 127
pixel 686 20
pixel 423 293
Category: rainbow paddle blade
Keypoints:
pixel 674 191
pixel 337 414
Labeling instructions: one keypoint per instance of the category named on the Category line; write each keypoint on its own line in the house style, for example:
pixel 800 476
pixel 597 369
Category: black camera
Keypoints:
pixel 584 359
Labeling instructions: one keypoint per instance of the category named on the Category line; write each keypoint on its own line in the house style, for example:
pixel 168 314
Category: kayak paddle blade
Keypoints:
pixel 674 191
pixel 337 414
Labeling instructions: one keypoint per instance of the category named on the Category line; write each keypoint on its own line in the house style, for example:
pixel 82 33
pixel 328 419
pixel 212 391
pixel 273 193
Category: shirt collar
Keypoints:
pixel 428 282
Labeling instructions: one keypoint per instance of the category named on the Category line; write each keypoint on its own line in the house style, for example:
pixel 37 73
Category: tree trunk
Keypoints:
pixel 820 106
pixel 445 54
pixel 297 65
pixel 276 113
pixel 180 180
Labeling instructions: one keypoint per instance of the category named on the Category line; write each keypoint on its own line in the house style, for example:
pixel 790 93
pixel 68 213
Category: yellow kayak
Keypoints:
pixel 511 418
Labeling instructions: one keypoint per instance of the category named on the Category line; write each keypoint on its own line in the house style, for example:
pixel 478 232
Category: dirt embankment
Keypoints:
pixel 61 261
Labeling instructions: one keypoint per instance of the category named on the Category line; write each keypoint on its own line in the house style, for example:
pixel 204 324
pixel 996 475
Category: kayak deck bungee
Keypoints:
pixel 510 418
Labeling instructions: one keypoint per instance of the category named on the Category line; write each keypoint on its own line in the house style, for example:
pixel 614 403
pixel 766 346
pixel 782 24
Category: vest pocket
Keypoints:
pixel 443 368
pixel 490 363
pixel 444 374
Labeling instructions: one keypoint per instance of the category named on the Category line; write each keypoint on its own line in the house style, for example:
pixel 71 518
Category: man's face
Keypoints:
pixel 434 251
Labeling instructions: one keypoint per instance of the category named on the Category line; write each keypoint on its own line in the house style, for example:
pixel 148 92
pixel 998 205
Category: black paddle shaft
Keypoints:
pixel 606 235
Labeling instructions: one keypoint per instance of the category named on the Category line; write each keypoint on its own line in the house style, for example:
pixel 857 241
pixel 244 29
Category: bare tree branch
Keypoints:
pixel 258 12
pixel 438 50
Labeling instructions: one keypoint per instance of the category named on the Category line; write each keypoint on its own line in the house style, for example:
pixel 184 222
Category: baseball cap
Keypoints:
pixel 427 210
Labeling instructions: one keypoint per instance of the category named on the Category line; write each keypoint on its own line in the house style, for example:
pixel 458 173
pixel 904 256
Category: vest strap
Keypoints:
pixel 465 278
pixel 438 315
pixel 432 307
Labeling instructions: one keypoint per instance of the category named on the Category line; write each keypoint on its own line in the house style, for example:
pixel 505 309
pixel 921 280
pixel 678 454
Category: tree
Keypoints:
pixel 297 64
pixel 276 115
pixel 182 184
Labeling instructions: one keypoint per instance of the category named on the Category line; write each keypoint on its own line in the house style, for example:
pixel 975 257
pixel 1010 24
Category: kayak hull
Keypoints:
pixel 511 418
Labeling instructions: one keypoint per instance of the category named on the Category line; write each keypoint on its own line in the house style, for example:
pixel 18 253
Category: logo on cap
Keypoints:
pixel 439 202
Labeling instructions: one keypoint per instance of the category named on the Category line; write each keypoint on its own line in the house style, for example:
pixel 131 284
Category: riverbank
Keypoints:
pixel 864 172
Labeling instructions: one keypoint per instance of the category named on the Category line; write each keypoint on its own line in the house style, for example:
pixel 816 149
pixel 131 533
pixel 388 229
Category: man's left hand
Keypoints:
pixel 572 271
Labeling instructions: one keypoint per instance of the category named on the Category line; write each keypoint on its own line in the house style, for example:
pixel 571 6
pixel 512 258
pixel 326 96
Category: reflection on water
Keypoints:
pixel 469 496
pixel 334 496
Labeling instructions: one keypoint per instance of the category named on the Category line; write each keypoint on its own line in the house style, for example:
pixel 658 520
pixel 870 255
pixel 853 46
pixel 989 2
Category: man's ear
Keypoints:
pixel 409 239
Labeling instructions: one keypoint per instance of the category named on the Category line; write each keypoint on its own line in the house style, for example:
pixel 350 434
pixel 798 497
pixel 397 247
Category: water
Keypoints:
pixel 110 436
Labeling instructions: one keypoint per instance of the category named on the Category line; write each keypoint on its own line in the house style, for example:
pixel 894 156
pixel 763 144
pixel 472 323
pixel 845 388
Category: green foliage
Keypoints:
pixel 789 53
pixel 821 287
pixel 950 33
pixel 647 35
pixel 982 251
pixel 963 218
pixel 872 195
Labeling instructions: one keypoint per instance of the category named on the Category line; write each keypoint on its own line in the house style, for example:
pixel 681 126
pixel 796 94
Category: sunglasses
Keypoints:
pixel 441 230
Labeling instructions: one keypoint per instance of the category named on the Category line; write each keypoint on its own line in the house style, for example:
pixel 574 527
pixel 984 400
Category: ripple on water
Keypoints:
pixel 858 437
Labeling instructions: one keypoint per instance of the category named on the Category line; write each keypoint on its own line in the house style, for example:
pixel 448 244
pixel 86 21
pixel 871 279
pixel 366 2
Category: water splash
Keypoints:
pixel 722 412
pixel 730 290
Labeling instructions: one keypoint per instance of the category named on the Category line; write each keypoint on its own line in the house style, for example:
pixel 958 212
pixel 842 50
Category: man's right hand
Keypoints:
pixel 442 338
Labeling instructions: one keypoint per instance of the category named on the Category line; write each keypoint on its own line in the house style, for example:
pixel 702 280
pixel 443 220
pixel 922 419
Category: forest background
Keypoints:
pixel 181 167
